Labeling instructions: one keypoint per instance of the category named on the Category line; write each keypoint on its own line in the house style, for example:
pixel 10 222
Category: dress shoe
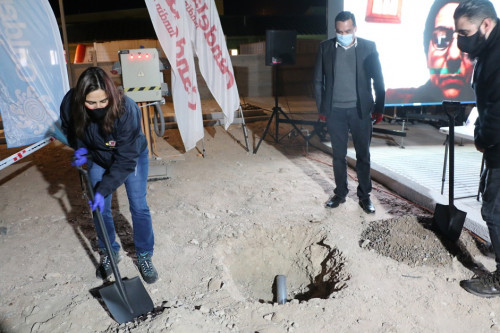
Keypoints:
pixel 367 206
pixel 334 201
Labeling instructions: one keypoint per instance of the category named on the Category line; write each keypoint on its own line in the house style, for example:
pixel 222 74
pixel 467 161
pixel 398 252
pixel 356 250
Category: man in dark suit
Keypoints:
pixel 346 68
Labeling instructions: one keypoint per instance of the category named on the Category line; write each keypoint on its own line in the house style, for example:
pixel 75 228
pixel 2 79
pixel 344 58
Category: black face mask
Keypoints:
pixel 97 114
pixel 473 45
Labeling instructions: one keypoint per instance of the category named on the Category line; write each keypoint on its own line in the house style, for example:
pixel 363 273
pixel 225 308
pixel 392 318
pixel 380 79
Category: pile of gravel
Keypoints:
pixel 408 240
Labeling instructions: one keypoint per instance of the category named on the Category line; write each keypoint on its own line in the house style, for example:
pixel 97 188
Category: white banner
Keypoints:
pixel 171 26
pixel 33 74
pixel 214 61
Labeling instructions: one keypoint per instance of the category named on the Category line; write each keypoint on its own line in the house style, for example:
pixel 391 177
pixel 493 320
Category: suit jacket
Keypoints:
pixel 368 70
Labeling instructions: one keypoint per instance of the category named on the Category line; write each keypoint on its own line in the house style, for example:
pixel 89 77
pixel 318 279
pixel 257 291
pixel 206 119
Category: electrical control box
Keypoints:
pixel 141 75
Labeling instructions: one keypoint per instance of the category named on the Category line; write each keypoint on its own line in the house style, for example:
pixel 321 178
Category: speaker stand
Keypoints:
pixel 276 115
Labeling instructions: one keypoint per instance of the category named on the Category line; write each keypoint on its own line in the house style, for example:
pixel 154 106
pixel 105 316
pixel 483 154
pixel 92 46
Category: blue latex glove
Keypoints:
pixel 80 157
pixel 97 203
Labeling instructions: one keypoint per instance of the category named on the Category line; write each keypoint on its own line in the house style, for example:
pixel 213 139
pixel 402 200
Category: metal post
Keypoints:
pixel 244 127
pixel 402 138
pixel 65 41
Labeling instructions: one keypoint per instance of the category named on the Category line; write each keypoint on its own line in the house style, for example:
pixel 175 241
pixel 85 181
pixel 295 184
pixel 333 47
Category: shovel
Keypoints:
pixel 125 299
pixel 448 219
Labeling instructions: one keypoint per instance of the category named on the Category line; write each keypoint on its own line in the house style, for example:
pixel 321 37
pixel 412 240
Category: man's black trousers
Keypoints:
pixel 339 123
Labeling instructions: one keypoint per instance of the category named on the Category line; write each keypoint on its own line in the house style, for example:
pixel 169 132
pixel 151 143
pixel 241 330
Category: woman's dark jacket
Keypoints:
pixel 117 152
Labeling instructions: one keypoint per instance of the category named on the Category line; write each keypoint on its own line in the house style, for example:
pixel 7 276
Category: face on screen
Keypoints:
pixel 450 69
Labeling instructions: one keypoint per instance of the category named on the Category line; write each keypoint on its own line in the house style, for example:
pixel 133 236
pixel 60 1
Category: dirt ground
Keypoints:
pixel 225 225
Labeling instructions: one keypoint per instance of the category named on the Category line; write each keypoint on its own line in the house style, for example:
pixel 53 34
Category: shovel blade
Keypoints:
pixel 137 303
pixel 449 221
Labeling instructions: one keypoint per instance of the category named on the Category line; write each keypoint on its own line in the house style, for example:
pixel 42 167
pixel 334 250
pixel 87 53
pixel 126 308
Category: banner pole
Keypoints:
pixel 25 152
pixel 65 39
pixel 244 127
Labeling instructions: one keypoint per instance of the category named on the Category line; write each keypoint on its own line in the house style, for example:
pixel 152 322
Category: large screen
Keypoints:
pixel 418 50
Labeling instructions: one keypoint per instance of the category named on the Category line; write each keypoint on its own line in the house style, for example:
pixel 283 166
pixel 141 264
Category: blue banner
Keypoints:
pixel 33 74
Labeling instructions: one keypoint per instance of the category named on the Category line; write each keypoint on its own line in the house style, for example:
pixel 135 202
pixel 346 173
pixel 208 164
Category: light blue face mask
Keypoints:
pixel 345 40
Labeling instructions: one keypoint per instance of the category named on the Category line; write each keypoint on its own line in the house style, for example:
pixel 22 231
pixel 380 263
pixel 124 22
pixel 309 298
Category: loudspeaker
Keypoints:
pixel 280 47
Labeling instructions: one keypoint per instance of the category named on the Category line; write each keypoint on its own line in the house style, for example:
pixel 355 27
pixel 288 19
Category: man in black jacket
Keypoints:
pixel 346 68
pixel 476 23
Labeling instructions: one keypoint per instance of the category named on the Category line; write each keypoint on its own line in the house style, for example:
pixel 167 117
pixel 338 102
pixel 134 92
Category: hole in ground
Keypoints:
pixel 313 269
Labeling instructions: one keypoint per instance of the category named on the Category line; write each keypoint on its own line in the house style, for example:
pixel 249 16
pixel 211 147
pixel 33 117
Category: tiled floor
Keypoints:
pixel 424 165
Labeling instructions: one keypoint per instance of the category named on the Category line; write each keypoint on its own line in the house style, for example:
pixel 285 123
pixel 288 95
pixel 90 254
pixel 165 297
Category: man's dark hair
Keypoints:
pixel 475 10
pixel 345 16
pixel 431 20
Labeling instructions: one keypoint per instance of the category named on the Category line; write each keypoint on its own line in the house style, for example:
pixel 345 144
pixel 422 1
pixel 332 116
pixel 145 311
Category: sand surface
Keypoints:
pixel 225 226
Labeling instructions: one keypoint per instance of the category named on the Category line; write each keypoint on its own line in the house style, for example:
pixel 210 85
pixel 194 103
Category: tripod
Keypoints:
pixel 276 114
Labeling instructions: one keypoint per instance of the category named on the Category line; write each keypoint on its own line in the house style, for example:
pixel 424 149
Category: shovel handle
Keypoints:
pixel 114 267
pixel 451 142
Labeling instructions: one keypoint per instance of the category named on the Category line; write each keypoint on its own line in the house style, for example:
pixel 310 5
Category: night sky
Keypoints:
pixel 240 18
pixel 231 7
pixel 74 7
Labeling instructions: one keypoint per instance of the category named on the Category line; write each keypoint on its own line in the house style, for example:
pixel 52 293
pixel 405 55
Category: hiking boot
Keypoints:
pixel 104 270
pixel 146 267
pixel 484 286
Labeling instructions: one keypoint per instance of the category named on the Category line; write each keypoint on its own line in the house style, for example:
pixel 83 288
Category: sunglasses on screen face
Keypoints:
pixel 442 38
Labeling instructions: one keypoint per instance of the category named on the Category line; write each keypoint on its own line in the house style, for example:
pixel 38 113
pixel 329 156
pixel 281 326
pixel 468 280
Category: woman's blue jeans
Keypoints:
pixel 136 187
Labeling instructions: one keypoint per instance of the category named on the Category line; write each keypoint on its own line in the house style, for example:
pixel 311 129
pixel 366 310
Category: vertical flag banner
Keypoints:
pixel 33 74
pixel 171 26
pixel 214 61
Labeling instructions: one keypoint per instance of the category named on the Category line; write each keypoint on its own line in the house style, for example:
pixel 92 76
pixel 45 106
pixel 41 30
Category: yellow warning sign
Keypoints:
pixel 143 88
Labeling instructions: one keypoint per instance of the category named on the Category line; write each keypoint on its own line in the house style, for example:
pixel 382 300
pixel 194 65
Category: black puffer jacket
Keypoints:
pixel 117 152
pixel 486 85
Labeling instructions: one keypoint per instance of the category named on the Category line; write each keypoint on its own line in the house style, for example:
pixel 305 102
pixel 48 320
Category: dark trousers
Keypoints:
pixel 490 209
pixel 340 123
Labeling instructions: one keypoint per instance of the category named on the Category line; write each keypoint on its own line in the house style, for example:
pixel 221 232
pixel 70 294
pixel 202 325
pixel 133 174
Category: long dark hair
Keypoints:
pixel 94 78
